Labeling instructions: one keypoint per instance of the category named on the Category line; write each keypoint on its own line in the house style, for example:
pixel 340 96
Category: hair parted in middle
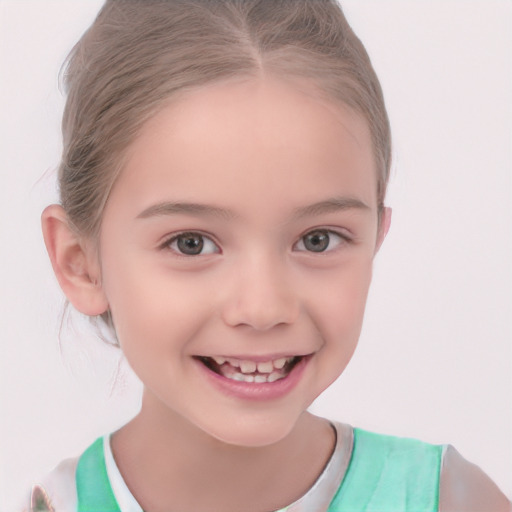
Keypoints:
pixel 141 54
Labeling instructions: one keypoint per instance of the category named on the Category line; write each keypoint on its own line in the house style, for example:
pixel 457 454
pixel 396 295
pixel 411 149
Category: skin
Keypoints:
pixel 261 150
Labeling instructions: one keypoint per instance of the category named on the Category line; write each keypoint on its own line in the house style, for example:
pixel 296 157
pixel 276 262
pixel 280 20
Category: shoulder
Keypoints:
pixel 56 492
pixel 401 453
pixel 399 461
pixel 464 487
pixel 390 473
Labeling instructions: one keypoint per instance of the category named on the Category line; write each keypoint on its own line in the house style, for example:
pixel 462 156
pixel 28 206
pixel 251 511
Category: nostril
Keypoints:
pixel 260 296
pixel 261 316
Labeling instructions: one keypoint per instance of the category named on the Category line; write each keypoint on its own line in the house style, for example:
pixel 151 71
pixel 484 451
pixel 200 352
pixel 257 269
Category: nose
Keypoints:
pixel 260 294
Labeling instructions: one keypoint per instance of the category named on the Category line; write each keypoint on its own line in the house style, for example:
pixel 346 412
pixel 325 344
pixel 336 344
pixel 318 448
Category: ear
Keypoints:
pixel 384 224
pixel 76 266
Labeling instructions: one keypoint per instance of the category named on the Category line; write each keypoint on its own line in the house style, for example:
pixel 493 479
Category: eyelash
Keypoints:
pixel 175 238
pixel 343 239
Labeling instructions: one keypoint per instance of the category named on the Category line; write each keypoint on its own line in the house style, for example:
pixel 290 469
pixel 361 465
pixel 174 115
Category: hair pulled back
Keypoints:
pixel 140 53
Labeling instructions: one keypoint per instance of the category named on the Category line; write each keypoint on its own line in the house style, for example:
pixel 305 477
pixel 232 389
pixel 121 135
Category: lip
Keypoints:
pixel 256 391
pixel 259 358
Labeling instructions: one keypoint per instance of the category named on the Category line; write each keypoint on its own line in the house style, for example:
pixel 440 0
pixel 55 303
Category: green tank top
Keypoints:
pixel 385 474
pixel 390 474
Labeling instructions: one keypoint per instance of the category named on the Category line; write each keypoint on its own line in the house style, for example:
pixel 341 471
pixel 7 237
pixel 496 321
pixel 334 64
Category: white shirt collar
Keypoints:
pixel 317 499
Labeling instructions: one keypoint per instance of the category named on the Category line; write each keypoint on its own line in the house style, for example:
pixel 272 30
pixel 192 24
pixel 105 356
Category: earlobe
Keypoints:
pixel 76 268
pixel 384 224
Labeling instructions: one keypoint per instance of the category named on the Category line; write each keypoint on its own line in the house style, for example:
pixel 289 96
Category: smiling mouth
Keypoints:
pixel 251 371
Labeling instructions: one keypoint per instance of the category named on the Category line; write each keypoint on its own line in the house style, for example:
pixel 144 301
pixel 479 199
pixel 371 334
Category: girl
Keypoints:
pixel 222 199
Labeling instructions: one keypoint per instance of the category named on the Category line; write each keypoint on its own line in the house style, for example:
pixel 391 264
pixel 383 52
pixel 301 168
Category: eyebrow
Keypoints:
pixel 203 210
pixel 172 208
pixel 334 204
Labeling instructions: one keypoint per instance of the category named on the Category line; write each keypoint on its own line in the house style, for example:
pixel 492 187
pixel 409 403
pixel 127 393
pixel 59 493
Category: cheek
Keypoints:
pixel 338 316
pixel 342 298
pixel 149 308
pixel 339 319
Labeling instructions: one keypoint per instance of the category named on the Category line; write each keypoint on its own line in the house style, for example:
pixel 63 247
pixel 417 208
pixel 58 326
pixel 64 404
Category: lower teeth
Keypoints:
pixel 257 379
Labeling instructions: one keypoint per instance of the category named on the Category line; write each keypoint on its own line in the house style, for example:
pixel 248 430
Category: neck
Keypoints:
pixel 170 464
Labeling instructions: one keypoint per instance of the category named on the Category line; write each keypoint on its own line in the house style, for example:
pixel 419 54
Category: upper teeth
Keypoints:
pixel 247 366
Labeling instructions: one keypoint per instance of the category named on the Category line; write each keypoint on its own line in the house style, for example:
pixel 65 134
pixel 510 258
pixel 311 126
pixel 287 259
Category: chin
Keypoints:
pixel 252 432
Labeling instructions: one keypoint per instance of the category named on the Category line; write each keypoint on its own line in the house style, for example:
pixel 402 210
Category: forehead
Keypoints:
pixel 277 139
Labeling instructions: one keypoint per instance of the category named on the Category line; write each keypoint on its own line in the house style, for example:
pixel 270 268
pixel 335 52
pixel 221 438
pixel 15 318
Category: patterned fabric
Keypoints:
pixel 40 501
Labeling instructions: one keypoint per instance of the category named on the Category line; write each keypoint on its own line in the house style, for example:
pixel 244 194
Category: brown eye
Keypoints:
pixel 192 244
pixel 320 240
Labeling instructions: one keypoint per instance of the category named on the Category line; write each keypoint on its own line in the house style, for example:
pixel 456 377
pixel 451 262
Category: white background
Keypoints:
pixel 434 361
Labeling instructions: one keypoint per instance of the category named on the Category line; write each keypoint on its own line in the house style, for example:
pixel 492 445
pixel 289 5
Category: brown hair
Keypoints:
pixel 139 53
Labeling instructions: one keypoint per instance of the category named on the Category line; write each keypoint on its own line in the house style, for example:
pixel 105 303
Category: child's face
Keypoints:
pixel 275 191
